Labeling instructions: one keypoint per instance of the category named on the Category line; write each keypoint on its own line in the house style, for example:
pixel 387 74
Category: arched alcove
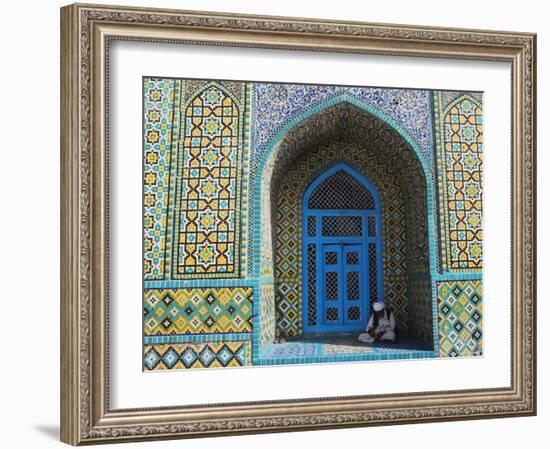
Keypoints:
pixel 346 121
pixel 289 253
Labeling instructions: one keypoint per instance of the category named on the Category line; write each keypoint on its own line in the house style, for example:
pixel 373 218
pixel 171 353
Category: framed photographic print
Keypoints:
pixel 287 224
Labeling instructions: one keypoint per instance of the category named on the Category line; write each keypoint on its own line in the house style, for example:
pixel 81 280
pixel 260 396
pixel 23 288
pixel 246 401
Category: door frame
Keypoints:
pixel 364 240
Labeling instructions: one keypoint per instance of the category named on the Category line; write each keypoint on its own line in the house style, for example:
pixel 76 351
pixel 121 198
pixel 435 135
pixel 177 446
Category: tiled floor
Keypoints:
pixel 340 349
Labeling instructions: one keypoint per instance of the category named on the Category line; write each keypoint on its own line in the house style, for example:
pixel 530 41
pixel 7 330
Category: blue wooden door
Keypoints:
pixel 343 301
pixel 342 265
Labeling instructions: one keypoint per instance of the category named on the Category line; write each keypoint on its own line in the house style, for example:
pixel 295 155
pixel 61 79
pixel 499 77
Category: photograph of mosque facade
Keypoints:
pixel 301 223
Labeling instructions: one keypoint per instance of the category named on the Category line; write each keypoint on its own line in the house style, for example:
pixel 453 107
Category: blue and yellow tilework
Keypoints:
pixel 459 131
pixel 460 318
pixel 196 355
pixel 158 100
pixel 197 310
pixel 222 278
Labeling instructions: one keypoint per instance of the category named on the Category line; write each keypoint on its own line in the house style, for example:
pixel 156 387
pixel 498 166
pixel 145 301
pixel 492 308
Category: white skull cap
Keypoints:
pixel 378 306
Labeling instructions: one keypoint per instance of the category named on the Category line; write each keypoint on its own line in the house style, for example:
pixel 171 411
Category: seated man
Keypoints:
pixel 381 325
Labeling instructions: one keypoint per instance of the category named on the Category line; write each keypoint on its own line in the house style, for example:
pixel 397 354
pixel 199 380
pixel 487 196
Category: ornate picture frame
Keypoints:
pixel 87 31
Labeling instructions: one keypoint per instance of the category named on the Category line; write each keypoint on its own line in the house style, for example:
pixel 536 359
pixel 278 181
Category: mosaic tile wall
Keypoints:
pixel 460 318
pixel 224 165
pixel 324 125
pixel 354 123
pixel 420 305
pixel 158 98
pixel 206 234
pixel 459 137
pixel 316 114
pixel 196 140
pixel 458 132
pixel 267 314
pixel 276 105
pixel 197 310
pixel 288 232
pixel 196 355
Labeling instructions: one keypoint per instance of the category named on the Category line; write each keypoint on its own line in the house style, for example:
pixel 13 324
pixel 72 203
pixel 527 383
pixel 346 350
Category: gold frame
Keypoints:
pixel 86 31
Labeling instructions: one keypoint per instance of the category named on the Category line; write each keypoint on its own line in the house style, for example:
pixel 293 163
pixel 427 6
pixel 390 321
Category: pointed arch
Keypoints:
pixel 355 175
pixel 289 252
pixel 204 224
pixel 461 98
pixel 349 118
pixel 331 119
pixel 208 84
pixel 459 170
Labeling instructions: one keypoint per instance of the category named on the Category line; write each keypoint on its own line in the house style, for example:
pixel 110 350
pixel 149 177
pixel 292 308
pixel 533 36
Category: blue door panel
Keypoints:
pixel 331 300
pixel 354 296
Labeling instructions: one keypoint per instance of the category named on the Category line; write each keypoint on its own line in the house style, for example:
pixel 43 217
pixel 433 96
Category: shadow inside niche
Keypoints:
pixel 50 430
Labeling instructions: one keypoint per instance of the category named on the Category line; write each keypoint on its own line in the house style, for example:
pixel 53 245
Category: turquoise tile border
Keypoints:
pixel 194 338
pixel 197 283
pixel 459 276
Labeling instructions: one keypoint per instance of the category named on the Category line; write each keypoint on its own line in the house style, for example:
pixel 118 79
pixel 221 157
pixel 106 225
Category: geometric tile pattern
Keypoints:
pixel 205 141
pixel 275 105
pixel 158 98
pixel 348 120
pixel 288 307
pixel 186 311
pixel 267 315
pixel 460 318
pixel 160 357
pixel 196 135
pixel 446 97
pixel 460 160
pixel 206 234
pixel 288 234
pixel 420 303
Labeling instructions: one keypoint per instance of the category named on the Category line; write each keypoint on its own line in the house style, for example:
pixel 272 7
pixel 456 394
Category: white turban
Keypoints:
pixel 378 306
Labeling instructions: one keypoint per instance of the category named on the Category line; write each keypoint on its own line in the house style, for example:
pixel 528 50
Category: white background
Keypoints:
pixel 131 388
pixel 30 221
